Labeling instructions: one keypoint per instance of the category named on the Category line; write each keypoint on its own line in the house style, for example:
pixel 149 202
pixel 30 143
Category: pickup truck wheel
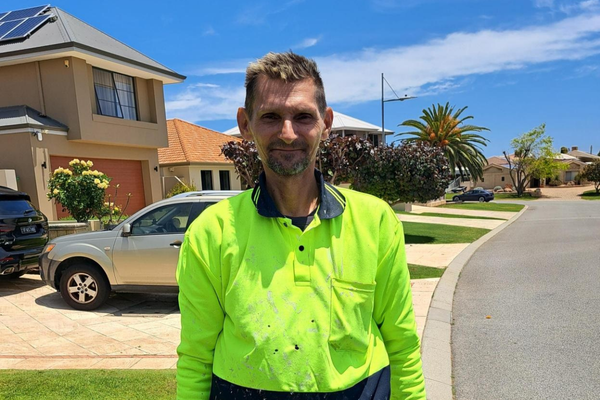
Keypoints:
pixel 83 287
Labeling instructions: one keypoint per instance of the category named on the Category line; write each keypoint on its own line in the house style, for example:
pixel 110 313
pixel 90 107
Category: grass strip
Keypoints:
pixel 423 272
pixel 422 233
pixel 590 195
pixel 91 384
pixel 486 206
pixel 430 214
pixel 512 196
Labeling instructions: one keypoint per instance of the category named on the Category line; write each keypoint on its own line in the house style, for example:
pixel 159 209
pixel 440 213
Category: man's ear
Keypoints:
pixel 244 124
pixel 328 119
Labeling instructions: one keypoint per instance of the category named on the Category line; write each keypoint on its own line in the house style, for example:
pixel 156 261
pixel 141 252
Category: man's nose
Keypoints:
pixel 288 134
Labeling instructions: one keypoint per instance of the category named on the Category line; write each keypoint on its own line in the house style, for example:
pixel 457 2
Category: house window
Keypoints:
pixel 224 180
pixel 206 177
pixel 374 139
pixel 115 94
pixel 482 180
pixel 502 179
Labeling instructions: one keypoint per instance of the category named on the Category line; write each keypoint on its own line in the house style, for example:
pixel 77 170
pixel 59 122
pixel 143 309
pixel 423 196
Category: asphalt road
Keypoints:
pixel 538 281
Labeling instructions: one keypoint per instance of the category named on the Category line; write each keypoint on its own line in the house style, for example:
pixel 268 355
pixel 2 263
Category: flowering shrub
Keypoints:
pixel 79 190
pixel 112 213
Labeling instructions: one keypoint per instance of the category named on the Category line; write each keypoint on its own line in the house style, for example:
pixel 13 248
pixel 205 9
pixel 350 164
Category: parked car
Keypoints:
pixel 23 233
pixel 474 195
pixel 138 255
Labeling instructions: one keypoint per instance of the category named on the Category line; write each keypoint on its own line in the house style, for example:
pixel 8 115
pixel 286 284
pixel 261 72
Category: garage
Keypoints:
pixel 126 173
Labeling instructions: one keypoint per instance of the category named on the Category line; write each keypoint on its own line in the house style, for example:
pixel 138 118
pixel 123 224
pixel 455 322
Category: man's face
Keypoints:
pixel 285 125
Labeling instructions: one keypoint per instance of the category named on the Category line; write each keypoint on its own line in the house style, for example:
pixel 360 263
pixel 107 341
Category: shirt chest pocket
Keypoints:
pixel 351 315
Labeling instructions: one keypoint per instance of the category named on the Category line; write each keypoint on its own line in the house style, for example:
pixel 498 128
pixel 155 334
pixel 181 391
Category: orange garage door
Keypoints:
pixel 127 173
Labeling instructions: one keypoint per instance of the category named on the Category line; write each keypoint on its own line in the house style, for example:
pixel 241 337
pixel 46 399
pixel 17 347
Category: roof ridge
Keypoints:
pixel 181 143
pixel 203 127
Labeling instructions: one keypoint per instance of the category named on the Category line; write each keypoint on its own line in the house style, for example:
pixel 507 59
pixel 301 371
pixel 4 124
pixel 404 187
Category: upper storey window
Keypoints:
pixel 115 94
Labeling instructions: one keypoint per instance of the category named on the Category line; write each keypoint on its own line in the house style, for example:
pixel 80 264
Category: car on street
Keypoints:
pixel 138 255
pixel 23 233
pixel 479 195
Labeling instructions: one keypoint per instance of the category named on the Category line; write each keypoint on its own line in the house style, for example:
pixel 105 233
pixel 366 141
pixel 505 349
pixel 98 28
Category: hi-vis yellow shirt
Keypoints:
pixel 267 306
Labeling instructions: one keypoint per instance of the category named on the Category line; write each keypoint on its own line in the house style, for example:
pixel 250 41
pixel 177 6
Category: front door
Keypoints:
pixel 149 256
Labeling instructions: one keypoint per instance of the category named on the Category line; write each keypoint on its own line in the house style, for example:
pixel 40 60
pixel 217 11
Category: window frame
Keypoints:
pixel 221 174
pixel 115 93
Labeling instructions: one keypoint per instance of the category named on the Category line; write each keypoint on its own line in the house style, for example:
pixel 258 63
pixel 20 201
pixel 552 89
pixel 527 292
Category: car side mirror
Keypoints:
pixel 126 230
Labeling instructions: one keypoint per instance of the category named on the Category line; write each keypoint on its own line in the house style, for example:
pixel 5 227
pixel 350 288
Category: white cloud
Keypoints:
pixel 543 3
pixel 258 13
pixel 308 42
pixel 205 102
pixel 209 31
pixel 356 77
pixel 423 69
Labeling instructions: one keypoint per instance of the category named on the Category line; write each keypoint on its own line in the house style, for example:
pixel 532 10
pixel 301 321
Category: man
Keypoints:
pixel 297 289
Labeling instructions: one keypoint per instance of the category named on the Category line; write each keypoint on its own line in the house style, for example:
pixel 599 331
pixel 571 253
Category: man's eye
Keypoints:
pixel 304 117
pixel 269 116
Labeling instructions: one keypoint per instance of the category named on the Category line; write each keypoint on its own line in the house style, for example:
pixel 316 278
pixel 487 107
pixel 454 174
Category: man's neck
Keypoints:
pixel 294 196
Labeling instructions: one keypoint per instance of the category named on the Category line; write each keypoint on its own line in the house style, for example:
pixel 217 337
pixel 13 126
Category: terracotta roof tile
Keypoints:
pixel 192 143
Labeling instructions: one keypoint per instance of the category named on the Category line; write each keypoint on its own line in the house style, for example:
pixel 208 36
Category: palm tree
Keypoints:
pixel 442 127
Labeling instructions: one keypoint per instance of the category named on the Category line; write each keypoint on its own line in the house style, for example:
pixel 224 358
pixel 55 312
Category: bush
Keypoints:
pixel 407 173
pixel 181 188
pixel 79 190
pixel 555 182
pixel 498 188
pixel 592 173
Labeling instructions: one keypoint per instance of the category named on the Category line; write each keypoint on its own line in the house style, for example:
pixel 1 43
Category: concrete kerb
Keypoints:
pixel 436 344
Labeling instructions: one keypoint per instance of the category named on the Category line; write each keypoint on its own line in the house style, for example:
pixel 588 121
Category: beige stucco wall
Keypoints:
pixel 25 154
pixel 66 94
pixel 492 177
pixel 191 174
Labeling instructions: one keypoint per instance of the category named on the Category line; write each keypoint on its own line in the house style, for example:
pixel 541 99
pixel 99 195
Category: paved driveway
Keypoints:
pixel 40 331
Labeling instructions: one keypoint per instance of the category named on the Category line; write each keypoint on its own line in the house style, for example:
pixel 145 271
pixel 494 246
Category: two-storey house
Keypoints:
pixel 69 91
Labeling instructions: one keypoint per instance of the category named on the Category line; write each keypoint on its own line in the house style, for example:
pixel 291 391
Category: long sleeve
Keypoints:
pixel 394 315
pixel 202 318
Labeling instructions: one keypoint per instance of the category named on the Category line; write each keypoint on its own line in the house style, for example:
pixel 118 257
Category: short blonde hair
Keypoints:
pixel 288 67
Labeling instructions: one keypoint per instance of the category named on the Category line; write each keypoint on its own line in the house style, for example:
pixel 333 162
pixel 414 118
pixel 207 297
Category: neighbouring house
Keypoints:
pixel 345 125
pixel 194 156
pixel 497 172
pixel 582 155
pixel 70 91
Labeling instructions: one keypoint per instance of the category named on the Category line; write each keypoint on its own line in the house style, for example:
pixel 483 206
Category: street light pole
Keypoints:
pixel 383 101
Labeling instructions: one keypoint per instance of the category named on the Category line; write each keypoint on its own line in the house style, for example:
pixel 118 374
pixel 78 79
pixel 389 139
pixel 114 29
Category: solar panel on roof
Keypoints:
pixel 6 27
pixel 26 27
pixel 2 15
pixel 25 13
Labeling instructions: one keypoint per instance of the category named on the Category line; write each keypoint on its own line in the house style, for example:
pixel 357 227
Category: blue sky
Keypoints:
pixel 514 63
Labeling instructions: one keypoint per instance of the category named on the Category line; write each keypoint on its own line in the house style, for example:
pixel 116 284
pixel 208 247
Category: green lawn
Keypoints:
pixel 513 196
pixel 87 384
pixel 431 214
pixel 486 206
pixel 590 195
pixel 420 233
pixel 422 272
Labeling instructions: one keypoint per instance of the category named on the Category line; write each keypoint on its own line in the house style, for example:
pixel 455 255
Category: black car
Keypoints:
pixel 474 195
pixel 23 233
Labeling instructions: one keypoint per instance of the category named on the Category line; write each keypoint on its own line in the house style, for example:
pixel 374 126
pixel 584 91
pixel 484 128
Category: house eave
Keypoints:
pixel 92 55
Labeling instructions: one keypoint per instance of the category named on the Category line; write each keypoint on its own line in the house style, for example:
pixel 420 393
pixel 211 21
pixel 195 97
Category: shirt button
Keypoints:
pixel 301 248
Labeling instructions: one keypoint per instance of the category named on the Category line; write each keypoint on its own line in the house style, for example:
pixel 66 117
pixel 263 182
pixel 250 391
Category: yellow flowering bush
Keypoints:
pixel 79 190
pixel 111 210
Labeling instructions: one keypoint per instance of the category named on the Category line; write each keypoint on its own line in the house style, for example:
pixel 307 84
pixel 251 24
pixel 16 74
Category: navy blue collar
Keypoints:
pixel 331 202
